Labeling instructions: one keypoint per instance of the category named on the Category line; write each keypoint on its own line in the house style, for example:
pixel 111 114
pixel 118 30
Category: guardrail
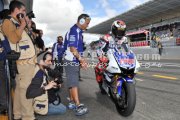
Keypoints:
pixel 139 44
pixel 178 41
pixel 170 42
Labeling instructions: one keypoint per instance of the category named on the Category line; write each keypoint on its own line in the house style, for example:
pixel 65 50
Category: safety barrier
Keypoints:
pixel 178 41
pixel 139 44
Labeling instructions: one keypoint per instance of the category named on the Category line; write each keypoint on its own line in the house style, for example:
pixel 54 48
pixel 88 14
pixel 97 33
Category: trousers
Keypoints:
pixel 22 107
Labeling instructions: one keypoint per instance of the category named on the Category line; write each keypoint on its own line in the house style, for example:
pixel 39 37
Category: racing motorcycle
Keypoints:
pixel 118 79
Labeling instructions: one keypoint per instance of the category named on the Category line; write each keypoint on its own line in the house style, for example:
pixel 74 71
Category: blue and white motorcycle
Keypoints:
pixel 118 80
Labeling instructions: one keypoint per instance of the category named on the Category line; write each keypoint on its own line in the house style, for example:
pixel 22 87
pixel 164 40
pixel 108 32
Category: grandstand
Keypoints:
pixel 152 22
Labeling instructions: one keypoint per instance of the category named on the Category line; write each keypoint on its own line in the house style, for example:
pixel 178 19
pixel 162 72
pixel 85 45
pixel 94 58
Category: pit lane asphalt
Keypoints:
pixel 157 89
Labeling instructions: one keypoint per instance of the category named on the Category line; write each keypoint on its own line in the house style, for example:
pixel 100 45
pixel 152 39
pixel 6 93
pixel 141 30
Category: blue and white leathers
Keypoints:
pixel 118 77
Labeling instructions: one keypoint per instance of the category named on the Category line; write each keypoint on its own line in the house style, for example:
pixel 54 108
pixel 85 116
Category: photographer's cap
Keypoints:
pixel 31 15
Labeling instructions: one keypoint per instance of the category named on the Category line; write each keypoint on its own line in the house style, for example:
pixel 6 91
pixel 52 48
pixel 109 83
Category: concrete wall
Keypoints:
pixel 153 53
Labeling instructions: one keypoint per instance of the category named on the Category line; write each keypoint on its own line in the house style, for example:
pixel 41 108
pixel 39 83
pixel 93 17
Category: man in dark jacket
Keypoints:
pixel 3 76
pixel 58 51
pixel 37 88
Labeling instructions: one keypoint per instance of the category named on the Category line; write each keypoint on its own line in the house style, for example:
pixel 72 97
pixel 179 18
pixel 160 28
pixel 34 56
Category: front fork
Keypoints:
pixel 119 83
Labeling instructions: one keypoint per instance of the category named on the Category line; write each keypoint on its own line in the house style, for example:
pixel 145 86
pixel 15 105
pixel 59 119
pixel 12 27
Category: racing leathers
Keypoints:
pixel 103 46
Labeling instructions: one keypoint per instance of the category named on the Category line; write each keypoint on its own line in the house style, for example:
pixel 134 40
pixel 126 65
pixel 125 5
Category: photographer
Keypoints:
pixel 30 15
pixel 15 28
pixel 37 88
pixel 36 34
pixel 38 40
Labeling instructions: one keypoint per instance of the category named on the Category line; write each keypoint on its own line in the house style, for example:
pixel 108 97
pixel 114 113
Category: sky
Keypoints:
pixel 55 17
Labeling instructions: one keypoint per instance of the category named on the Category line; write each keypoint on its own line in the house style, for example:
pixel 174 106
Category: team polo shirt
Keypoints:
pixel 59 49
pixel 74 38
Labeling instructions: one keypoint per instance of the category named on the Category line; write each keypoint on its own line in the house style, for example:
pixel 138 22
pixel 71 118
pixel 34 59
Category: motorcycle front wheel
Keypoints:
pixel 125 104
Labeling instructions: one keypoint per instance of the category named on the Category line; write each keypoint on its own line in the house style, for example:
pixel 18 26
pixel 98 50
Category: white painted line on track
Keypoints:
pixel 139 79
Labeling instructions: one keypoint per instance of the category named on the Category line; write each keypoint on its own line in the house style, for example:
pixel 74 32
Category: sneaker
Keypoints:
pixel 71 106
pixel 81 110
pixel 80 79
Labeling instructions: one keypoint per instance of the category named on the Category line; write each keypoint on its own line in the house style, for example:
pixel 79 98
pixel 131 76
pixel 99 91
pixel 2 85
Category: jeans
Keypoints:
pixel 56 109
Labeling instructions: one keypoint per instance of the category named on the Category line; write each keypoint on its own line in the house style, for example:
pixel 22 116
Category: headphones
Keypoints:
pixel 45 55
pixel 82 21
pixel 42 56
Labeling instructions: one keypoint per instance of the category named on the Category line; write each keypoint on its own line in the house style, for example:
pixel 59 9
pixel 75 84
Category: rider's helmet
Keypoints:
pixel 118 29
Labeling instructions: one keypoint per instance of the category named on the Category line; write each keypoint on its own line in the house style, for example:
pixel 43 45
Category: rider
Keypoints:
pixel 116 40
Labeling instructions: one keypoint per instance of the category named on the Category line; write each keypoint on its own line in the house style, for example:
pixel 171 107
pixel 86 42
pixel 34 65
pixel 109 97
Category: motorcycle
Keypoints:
pixel 118 79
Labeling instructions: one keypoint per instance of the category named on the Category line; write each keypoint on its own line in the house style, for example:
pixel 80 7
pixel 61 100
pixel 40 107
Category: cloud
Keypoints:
pixel 107 7
pixel 55 17
pixel 97 20
pixel 109 12
pixel 133 3
pixel 88 38
pixel 113 8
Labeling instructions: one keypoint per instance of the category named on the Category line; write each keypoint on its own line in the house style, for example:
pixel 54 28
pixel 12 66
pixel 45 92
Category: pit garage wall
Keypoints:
pixel 152 53
pixel 1 5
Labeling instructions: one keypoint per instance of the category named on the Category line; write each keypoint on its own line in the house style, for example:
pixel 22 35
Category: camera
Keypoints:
pixel 30 15
pixel 20 16
pixel 13 55
pixel 54 75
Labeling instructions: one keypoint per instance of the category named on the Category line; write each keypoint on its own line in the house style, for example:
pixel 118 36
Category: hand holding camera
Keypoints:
pixel 24 20
pixel 50 85
pixel 20 16
pixel 54 75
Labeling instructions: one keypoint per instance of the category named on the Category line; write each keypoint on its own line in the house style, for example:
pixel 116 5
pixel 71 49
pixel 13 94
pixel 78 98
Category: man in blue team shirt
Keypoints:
pixel 74 60
pixel 58 51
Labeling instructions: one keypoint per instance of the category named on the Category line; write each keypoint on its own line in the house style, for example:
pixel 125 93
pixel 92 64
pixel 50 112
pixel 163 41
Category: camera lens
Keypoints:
pixel 20 15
